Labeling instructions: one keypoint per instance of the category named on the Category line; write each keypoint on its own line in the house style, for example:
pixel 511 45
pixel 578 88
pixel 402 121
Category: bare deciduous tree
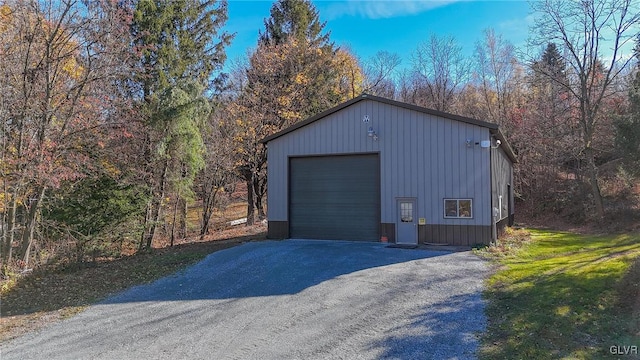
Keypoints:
pixel 495 65
pixel 441 71
pixel 218 175
pixel 379 74
pixel 592 35
pixel 60 65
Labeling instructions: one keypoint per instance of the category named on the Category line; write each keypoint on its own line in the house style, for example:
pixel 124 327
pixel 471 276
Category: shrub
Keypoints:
pixel 97 215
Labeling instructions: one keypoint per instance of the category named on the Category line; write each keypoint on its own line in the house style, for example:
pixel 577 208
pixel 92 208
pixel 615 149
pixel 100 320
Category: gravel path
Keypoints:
pixel 294 299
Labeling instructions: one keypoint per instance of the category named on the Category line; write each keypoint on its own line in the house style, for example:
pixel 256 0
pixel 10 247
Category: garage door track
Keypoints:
pixel 293 299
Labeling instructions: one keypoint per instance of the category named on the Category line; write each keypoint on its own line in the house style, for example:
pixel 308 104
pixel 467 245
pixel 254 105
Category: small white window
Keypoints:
pixel 458 208
pixel 406 211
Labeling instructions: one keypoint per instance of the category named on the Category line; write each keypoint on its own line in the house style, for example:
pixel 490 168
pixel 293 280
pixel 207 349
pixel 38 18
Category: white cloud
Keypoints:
pixel 520 24
pixel 379 9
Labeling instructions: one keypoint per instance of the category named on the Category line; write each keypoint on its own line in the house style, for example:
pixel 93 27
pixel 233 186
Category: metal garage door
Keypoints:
pixel 335 197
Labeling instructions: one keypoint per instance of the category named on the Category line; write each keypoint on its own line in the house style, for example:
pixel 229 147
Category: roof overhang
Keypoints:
pixel 504 144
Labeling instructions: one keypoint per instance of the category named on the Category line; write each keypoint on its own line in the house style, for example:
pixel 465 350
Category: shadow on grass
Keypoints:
pixel 555 316
pixel 558 299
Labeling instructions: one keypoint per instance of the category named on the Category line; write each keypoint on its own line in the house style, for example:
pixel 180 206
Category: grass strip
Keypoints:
pixel 559 295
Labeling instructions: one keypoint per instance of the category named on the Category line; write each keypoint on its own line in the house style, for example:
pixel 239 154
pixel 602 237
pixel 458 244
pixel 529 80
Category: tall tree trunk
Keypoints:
pixel 179 223
pixel 156 206
pixel 29 232
pixel 173 223
pixel 260 207
pixel 9 230
pixel 183 217
pixel 145 223
pixel 250 202
pixel 259 193
pixel 206 216
pixel 153 223
pixel 592 173
pixel 208 204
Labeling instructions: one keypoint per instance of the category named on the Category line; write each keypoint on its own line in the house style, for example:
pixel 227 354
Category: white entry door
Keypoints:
pixel 406 223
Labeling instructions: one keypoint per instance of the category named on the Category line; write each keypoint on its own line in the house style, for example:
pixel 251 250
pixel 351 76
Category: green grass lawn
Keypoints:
pixel 562 296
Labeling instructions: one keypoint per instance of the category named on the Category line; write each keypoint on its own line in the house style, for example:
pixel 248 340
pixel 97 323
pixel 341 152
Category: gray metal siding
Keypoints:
pixel 335 197
pixel 501 177
pixel 421 155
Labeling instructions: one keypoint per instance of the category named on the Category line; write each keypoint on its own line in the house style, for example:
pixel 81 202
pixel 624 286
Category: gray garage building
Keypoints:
pixel 375 169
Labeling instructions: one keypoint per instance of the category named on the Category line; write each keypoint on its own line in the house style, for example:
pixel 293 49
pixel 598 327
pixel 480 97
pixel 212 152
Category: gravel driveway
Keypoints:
pixel 293 299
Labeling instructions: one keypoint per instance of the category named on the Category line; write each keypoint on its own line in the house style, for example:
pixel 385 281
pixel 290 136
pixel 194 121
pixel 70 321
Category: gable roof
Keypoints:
pixel 493 128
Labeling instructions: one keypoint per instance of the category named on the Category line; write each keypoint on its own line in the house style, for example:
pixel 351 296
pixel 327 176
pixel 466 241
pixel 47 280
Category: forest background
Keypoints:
pixel 119 128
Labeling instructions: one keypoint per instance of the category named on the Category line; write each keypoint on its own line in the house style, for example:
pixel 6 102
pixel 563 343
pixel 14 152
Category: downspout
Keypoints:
pixel 492 212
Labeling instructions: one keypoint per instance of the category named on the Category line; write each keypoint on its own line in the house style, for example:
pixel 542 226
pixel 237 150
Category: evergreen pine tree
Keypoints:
pixel 551 67
pixel 292 75
pixel 181 50
pixel 179 41
pixel 552 60
pixel 297 19
pixel 295 32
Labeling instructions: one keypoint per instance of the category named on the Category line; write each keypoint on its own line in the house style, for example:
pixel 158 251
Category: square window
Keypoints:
pixel 464 208
pixel 451 208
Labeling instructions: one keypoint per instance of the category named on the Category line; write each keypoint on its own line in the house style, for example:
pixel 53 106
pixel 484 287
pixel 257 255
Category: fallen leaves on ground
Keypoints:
pixel 48 295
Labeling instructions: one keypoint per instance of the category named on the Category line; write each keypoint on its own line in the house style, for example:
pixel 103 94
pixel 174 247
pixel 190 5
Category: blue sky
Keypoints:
pixel 395 26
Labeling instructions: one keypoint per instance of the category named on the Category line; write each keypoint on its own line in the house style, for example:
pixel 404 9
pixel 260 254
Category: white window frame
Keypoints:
pixel 457 200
